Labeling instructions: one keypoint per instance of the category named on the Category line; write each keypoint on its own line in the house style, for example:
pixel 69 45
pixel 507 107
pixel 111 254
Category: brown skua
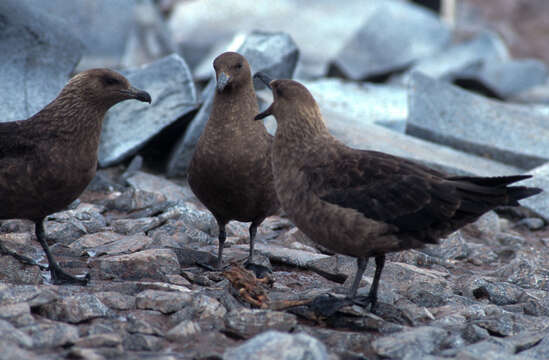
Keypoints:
pixel 230 171
pixel 366 203
pixel 47 161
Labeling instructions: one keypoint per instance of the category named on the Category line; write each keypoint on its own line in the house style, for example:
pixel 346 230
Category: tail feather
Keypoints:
pixel 491 181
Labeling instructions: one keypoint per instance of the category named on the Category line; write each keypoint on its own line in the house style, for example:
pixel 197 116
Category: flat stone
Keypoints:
pixel 275 345
pixel 540 202
pixel 246 323
pixel 445 114
pixel 136 226
pixel 152 264
pixel 274 53
pixel 38 54
pixel 279 254
pixel 17 314
pixel 116 300
pixel 22 243
pixel 31 294
pixel 13 271
pixel 75 309
pixel 142 342
pixel 99 340
pixel 396 34
pixel 204 33
pixel 449 63
pixel 110 243
pixel 413 343
pixel 128 126
pixel 51 334
pixel 11 351
pixel 164 301
pixel 148 182
pixel 136 199
pixel 13 335
pixel 183 330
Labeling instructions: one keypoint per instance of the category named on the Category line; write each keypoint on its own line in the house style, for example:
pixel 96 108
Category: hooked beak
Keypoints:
pixel 135 93
pixel 266 79
pixel 222 81
pixel 264 114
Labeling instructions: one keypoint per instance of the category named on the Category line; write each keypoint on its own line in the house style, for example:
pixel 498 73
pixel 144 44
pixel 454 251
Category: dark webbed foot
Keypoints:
pixel 60 277
pixel 327 305
pixel 259 270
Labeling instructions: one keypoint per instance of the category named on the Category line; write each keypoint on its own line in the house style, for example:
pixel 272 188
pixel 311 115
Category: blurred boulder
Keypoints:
pixel 442 113
pixel 540 202
pixel 395 35
pixel 38 53
pixel 129 125
pixel 203 29
pixel 274 53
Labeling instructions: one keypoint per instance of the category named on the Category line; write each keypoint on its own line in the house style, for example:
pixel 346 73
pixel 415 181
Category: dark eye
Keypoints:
pixel 238 66
pixel 279 92
pixel 111 81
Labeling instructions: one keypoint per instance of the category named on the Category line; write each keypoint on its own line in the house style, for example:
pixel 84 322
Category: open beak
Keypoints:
pixel 138 94
pixel 222 81
pixel 264 114
pixel 266 79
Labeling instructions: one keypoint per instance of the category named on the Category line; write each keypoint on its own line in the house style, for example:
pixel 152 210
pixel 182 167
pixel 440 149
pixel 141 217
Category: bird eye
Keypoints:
pixel 111 81
pixel 238 66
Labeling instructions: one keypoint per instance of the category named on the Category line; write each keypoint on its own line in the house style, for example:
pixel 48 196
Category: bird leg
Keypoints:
pixel 221 239
pixel 361 264
pixel 259 270
pixel 372 295
pixel 253 232
pixel 58 276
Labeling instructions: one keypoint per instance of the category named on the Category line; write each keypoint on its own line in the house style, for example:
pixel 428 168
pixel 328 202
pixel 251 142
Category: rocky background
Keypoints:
pixel 467 92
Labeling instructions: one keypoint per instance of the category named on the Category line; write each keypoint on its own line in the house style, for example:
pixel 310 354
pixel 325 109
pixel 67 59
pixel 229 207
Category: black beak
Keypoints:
pixel 266 79
pixel 139 94
pixel 264 114
pixel 222 81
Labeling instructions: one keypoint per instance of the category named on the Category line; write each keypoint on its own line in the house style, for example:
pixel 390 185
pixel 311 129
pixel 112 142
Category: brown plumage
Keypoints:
pixel 47 160
pixel 230 171
pixel 366 203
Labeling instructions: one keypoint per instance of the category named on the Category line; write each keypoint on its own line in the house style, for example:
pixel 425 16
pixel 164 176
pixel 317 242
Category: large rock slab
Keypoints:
pixel 273 53
pixel 38 53
pixel 103 25
pixel 450 62
pixel 203 29
pixel 129 125
pixel 396 34
pixel 442 113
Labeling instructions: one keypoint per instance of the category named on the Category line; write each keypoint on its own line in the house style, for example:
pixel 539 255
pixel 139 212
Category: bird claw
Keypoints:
pixel 60 277
pixel 327 305
pixel 364 301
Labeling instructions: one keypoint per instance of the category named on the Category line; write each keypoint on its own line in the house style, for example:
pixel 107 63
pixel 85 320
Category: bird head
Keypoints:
pixel 103 87
pixel 231 71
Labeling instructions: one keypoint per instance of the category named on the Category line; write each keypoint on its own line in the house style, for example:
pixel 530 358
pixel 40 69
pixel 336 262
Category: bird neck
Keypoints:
pixel 229 108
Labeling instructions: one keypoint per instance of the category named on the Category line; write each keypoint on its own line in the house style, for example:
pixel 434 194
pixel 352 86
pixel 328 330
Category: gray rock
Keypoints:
pixel 246 323
pixel 447 115
pixel 147 182
pixel 9 333
pixel 153 264
pixel 115 300
pixel 38 54
pixel 274 345
pixel 499 293
pixel 146 322
pixel 203 33
pixel 539 350
pixel 279 254
pixel 110 243
pixel 51 334
pixel 99 340
pixel 75 309
pixel 412 344
pixel 507 78
pixel 11 351
pixel 540 202
pixel 142 342
pixel 164 301
pixel 448 63
pixel 274 53
pixel 183 330
pixel 33 295
pixel 531 223
pixel 17 314
pixel 129 125
pixel 136 226
pixel 13 271
pixel 395 35
pixel 439 157
pixel 385 105
pixel 136 199
pixel 104 26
